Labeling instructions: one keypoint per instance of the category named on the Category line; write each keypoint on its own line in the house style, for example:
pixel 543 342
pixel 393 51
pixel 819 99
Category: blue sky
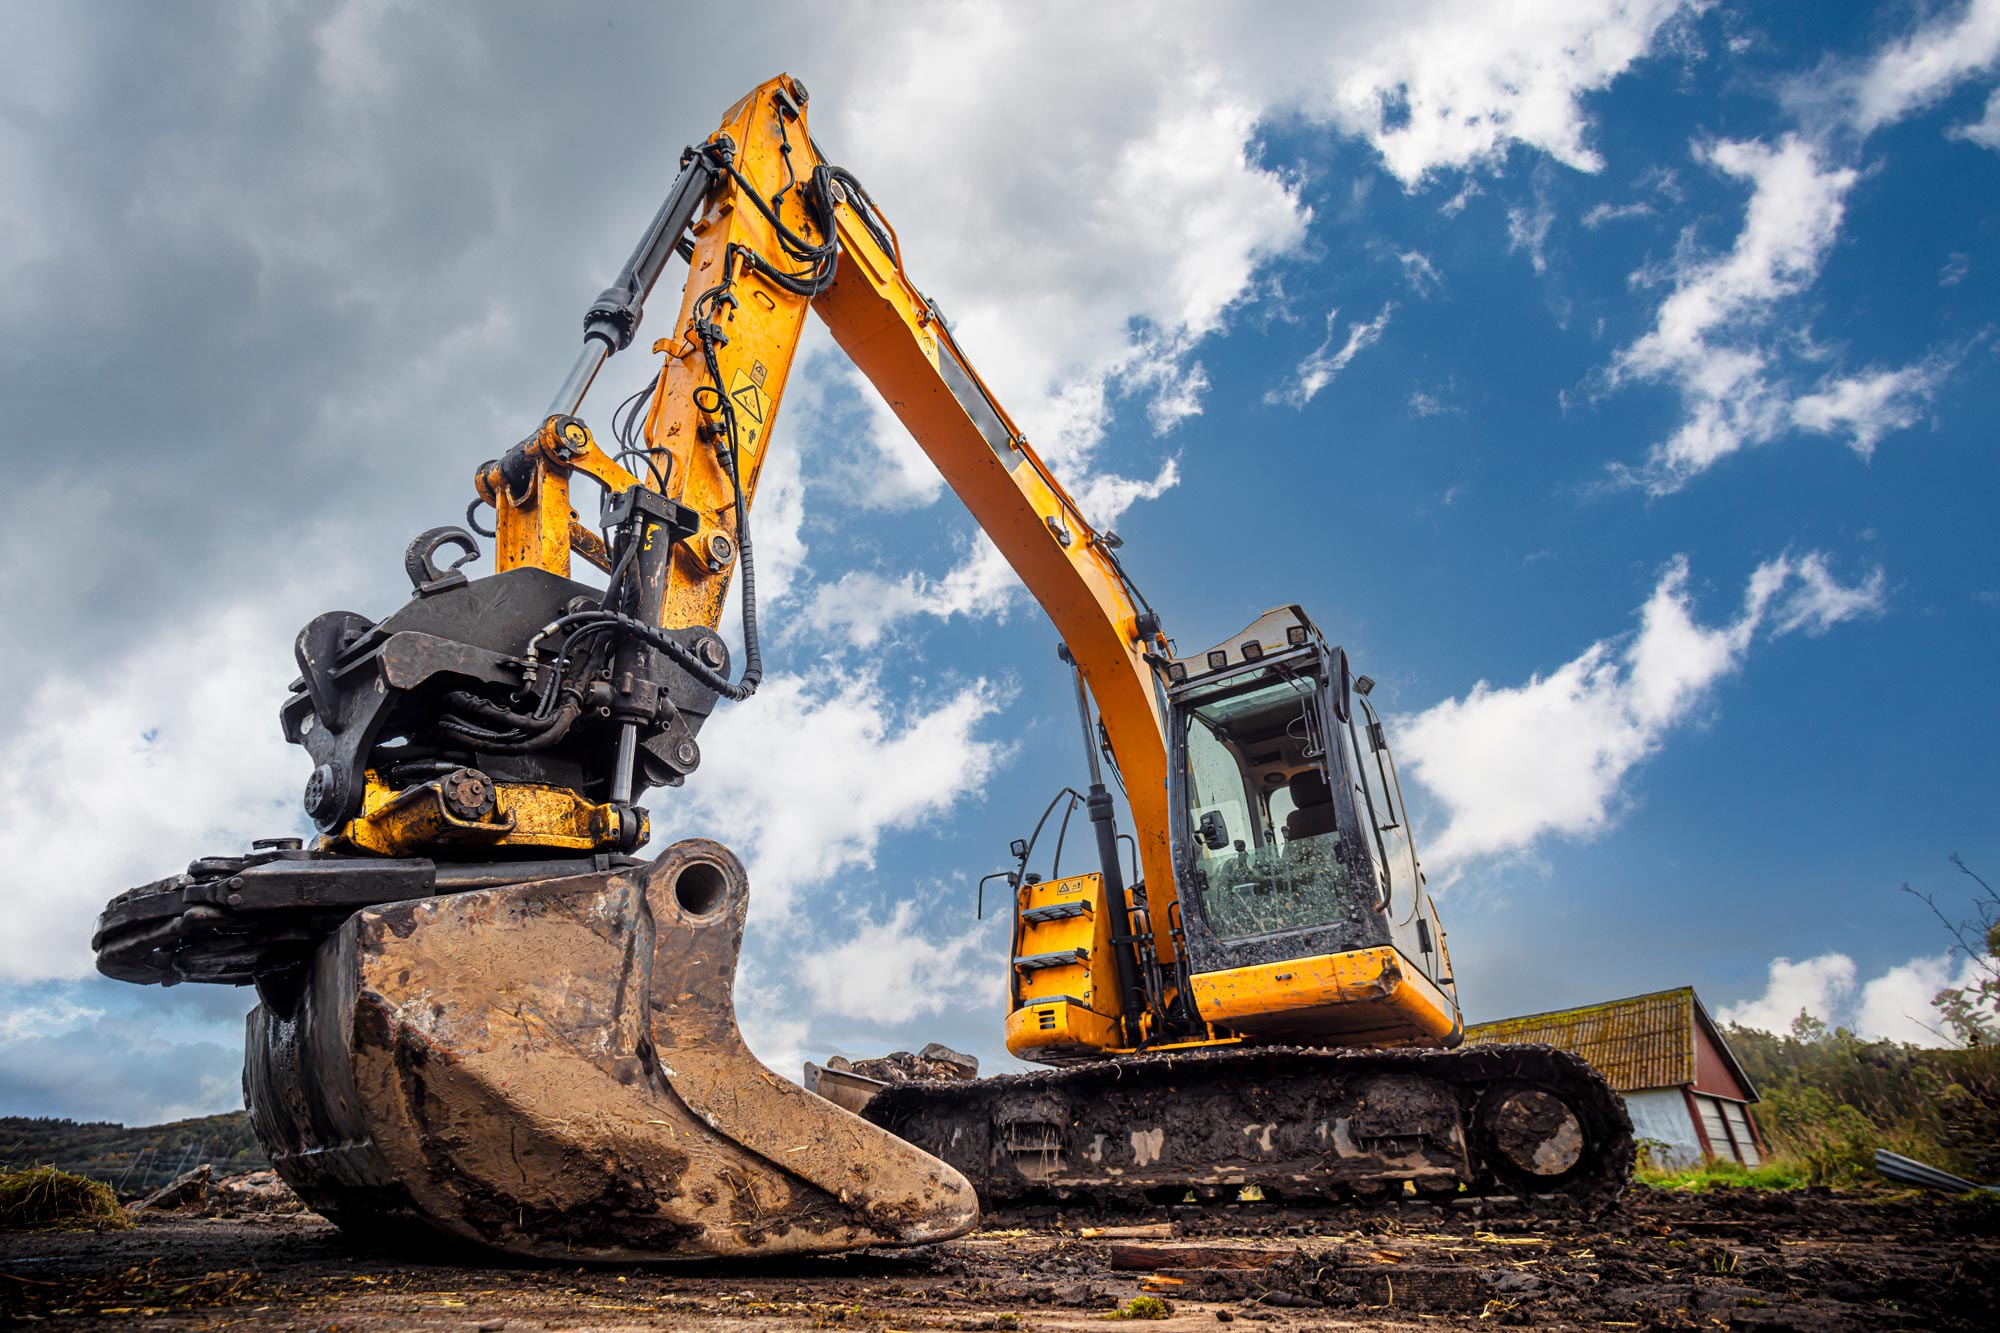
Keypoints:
pixel 1613 380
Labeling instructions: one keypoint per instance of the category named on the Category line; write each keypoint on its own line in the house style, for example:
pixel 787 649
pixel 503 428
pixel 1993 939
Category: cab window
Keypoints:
pixel 1261 814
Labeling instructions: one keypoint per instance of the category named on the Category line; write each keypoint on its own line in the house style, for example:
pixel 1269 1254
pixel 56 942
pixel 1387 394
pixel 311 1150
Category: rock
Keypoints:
pixel 255 1192
pixel 187 1190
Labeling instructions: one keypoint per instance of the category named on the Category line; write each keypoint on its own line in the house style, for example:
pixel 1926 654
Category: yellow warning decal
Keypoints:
pixel 748 396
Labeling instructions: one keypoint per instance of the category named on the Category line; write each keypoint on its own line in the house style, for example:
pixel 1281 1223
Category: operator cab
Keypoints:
pixel 1302 904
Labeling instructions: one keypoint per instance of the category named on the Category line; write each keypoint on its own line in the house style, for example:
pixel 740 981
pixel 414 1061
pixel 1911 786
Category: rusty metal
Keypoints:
pixel 554 1069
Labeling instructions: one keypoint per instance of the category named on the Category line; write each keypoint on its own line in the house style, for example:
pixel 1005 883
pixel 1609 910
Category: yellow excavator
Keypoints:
pixel 481 1012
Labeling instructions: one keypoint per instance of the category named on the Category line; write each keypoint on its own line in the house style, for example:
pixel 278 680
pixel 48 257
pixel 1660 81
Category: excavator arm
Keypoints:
pixel 774 228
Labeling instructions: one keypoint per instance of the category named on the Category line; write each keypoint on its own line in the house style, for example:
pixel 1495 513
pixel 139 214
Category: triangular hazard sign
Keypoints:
pixel 747 396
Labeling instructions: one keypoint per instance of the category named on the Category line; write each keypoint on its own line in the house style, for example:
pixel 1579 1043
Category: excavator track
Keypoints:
pixel 1306 1126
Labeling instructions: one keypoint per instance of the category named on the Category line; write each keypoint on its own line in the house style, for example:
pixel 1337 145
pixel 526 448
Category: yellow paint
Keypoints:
pixel 1365 992
pixel 415 822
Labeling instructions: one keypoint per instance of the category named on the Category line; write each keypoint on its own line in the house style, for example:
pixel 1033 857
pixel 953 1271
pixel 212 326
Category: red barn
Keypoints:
pixel 1688 1097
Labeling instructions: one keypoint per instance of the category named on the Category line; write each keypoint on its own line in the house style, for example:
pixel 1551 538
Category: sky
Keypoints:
pixel 1613 379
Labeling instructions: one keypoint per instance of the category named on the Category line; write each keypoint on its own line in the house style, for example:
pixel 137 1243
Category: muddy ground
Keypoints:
pixel 1733 1260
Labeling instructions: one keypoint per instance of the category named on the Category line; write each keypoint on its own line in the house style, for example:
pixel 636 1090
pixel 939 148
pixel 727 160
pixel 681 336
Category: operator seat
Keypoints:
pixel 1312 800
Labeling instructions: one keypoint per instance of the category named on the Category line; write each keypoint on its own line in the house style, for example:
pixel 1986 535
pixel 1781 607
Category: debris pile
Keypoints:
pixel 935 1063
pixel 198 1192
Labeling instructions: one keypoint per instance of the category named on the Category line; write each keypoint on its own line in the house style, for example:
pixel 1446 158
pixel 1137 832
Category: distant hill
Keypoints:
pixel 132 1160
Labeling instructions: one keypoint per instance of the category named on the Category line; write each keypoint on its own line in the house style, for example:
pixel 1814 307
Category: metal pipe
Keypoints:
pixel 581 375
pixel 621 770
pixel 1103 819
pixel 614 317
pixel 1089 732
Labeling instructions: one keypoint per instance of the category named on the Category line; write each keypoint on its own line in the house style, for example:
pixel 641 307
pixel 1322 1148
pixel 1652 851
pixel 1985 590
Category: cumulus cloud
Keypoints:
pixel 862 606
pixel 892 967
pixel 1451 87
pixel 1822 987
pixel 1894 1005
pixel 1326 361
pixel 1716 337
pixel 770 773
pixel 1511 765
pixel 170 751
pixel 1068 312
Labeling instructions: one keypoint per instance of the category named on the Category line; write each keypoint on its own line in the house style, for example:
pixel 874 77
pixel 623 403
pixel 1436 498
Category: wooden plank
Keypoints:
pixel 1141 1257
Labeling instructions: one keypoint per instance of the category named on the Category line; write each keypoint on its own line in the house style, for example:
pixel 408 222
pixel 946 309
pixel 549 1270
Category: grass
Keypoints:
pixel 1144 1307
pixel 43 1198
pixel 1782 1173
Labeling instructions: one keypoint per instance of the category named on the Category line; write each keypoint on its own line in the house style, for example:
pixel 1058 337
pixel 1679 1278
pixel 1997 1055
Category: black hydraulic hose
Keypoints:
pixel 617 576
pixel 1062 832
pixel 753 656
pixel 683 656
pixel 496 743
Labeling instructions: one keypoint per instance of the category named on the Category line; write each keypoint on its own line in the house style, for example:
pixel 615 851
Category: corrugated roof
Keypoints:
pixel 1646 1041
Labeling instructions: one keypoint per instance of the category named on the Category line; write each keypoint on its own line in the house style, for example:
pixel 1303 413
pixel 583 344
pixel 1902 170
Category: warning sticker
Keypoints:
pixel 748 396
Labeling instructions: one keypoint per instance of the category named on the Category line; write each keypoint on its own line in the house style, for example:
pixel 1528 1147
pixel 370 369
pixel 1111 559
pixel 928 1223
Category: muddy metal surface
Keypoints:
pixel 1745 1261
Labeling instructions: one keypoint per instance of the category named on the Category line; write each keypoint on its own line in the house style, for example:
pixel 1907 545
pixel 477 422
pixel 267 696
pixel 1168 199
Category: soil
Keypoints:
pixel 1736 1259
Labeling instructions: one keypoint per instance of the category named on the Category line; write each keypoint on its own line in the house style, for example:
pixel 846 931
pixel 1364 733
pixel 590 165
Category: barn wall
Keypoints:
pixel 1661 1114
pixel 1711 1070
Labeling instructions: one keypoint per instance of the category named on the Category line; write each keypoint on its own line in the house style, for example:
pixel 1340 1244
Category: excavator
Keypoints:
pixel 482 1013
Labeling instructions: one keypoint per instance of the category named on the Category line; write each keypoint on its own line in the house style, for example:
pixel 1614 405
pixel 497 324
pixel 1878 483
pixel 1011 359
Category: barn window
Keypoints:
pixel 1728 1130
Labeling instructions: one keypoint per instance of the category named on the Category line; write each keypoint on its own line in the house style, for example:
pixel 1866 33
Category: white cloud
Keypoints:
pixel 51 1016
pixel 169 752
pixel 1514 764
pixel 1528 229
pixel 1819 601
pixel 1916 71
pixel 1424 403
pixel 863 606
pixel 1420 273
pixel 1067 309
pixel 1326 361
pixel 1822 987
pixel 1603 213
pixel 890 969
pixel 1986 130
pixel 1870 405
pixel 806 779
pixel 1453 87
pixel 1715 339
pixel 1895 1005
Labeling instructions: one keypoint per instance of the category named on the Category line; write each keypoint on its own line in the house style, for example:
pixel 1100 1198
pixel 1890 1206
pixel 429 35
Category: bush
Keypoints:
pixel 1831 1099
pixel 43 1198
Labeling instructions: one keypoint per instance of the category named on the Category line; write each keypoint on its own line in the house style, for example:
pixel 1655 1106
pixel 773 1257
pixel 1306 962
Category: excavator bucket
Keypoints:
pixel 553 1069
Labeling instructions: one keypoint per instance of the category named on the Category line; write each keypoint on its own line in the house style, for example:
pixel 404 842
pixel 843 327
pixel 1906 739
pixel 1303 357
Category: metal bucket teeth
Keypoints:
pixel 554 1069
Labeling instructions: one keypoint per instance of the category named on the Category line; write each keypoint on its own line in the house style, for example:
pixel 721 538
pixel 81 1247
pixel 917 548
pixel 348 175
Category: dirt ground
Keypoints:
pixel 1734 1260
